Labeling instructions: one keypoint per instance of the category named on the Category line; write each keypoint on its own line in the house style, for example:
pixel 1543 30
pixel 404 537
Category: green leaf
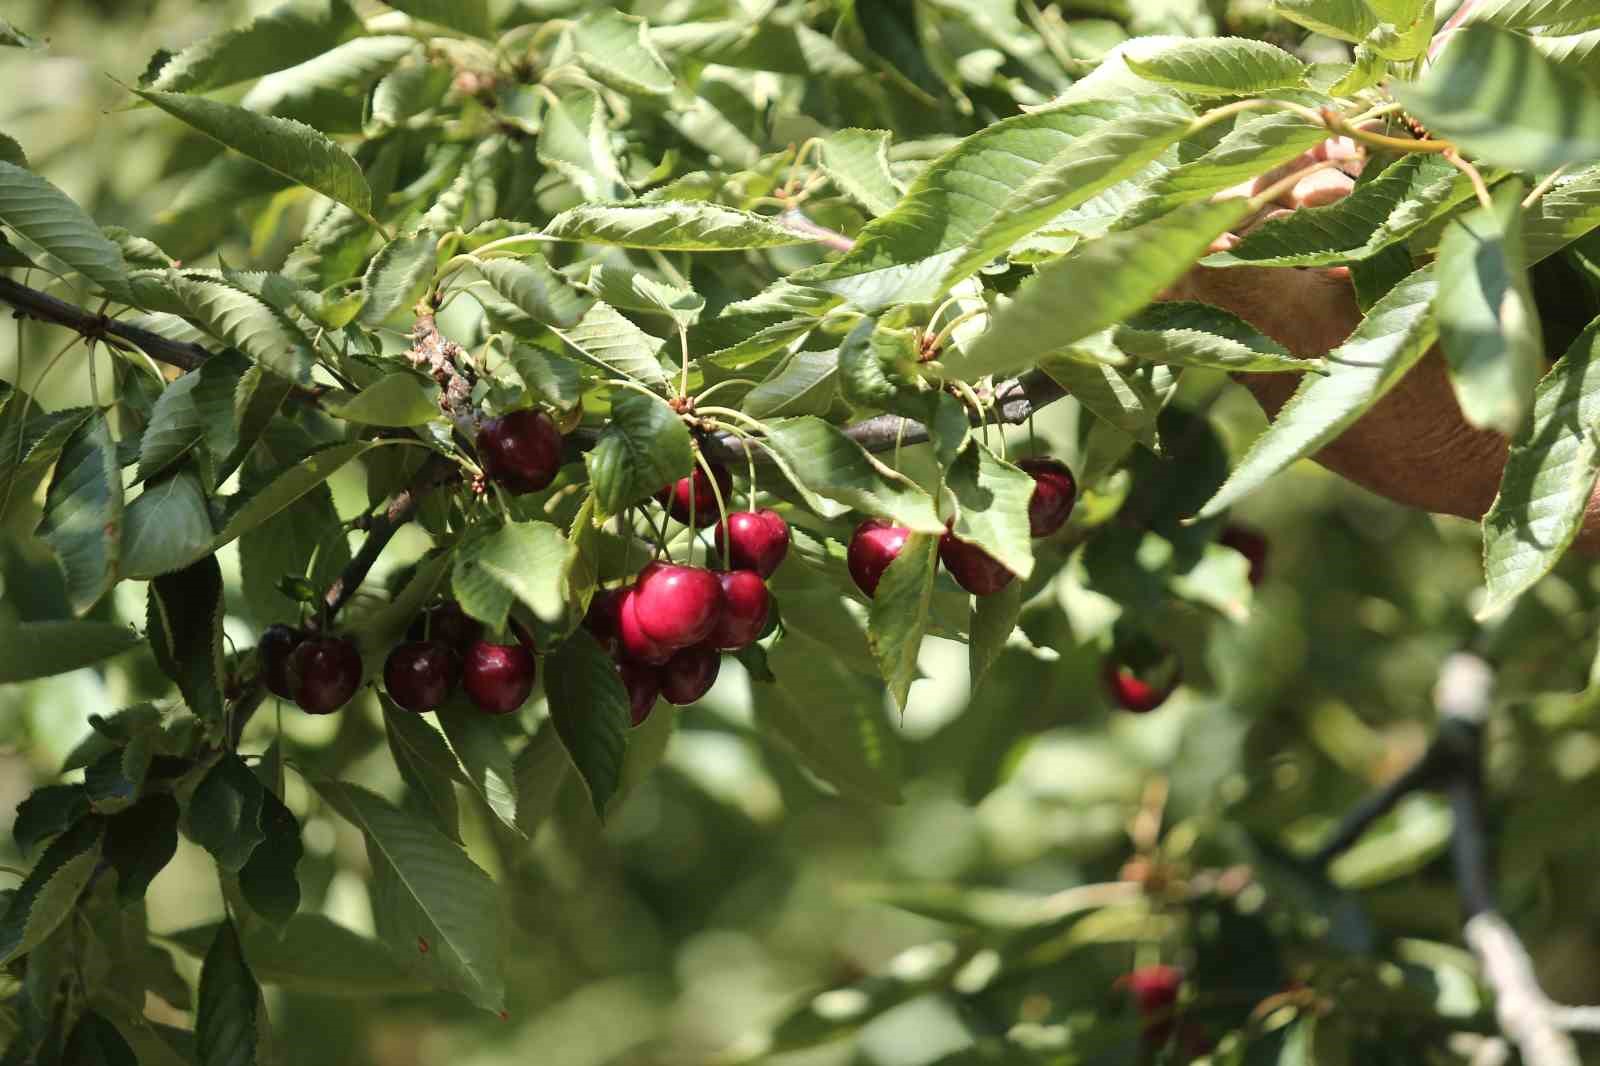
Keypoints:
pixel 432 905
pixel 616 51
pixel 644 448
pixel 83 513
pixel 806 383
pixel 526 562
pixel 1488 324
pixel 604 338
pixel 1389 341
pixel 31 650
pixel 267 881
pixel 167 526
pixel 184 625
pixel 1180 333
pixel 289 34
pixel 249 511
pixel 229 1019
pixel 1562 215
pixel 1527 14
pixel 994 618
pixel 46 216
pixel 96 1042
pixel 284 146
pixel 225 813
pixel 536 290
pixel 541 769
pixel 1549 477
pixel 47 895
pixel 426 765
pixel 398 399
pixel 469 16
pixel 631 290
pixel 304 539
pixel 589 708
pixel 248 323
pixel 398 276
pixel 48 811
pixel 991 499
pixel 30 445
pixel 405 93
pixel 576 143
pixel 1347 20
pixel 1499 98
pixel 899 616
pixel 139 842
pixel 1098 284
pixel 819 458
pixel 114 781
pixel 552 379
pixel 671 226
pixel 1221 66
pixel 857 161
pixel 315 956
pixel 485 764
pixel 11 37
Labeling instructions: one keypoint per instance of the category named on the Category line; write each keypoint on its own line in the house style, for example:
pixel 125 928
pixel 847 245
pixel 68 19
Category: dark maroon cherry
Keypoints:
pixel 689 674
pixel 643 683
pixel 973 568
pixel 601 618
pixel 873 547
pixel 420 674
pixel 1250 544
pixel 520 450
pixel 1055 490
pixel 677 606
pixel 745 603
pixel 498 677
pixel 697 487
pixel 325 672
pixel 632 641
pixel 272 652
pixel 756 540
pixel 1134 693
pixel 448 624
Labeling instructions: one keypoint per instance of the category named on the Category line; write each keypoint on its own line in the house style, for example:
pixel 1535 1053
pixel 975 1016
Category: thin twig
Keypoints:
pixel 397 511
pixel 47 308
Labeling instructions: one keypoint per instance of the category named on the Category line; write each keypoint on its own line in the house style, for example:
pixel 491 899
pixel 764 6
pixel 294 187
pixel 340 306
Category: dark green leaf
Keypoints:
pixel 426 765
pixel 42 649
pixel 45 215
pixel 229 1020
pixel 479 747
pixel 994 618
pixel 589 708
pixel 1179 333
pixel 96 1042
pixel 644 448
pixel 114 781
pixel 167 527
pixel 225 813
pixel 991 499
pixel 267 880
pixel 83 513
pixel 818 457
pixel 398 276
pixel 184 625
pixel 48 811
pixel 858 163
pixel 47 895
pixel 140 842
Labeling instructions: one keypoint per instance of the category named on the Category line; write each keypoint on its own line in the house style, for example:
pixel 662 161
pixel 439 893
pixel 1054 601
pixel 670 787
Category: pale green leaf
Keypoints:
pixel 991 498
pixel 46 216
pixel 1526 14
pixel 426 764
pixel 469 16
pixel 606 339
pixel 575 142
pixel 524 562
pixel 1180 333
pixel 398 276
pixel 818 457
pixel 643 449
pixel 484 762
pixel 671 226
pixel 807 383
pixel 1221 66
pixel 899 616
pixel 397 399
pixel 290 33
pixel 1347 20
pixel 857 161
pixel 994 618
pixel 616 51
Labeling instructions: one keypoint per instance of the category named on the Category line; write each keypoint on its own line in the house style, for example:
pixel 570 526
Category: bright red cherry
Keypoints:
pixel 973 568
pixel 756 540
pixel 1250 544
pixel 745 603
pixel 420 674
pixel 689 674
pixel 697 487
pixel 677 606
pixel 325 673
pixel 633 642
pixel 873 547
pixel 1155 993
pixel 448 624
pixel 643 683
pixel 1132 692
pixel 272 652
pixel 520 450
pixel 498 677
pixel 1055 490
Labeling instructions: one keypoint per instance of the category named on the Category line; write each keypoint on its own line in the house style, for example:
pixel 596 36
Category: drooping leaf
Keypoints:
pixel 899 616
pixel 1180 333
pixel 858 162
pixel 671 226
pixel 819 457
pixel 589 708
pixel 1549 477
pixel 250 510
pixel 30 650
pixel 46 216
pixel 48 811
pixel 229 1019
pixel 1347 20
pixel 991 498
pixel 576 143
pixel 96 1042
pixel 284 146
pixel 1526 14
pixel 224 815
pixel 541 769
pixel 114 781
pixel 305 539
pixel 398 276
pixel 536 290
pixel 479 747
pixel 994 618
pixel 47 895
pixel 167 527
pixel 613 343
pixel 1504 102
pixel 288 34
pixel 432 904
pixel 267 880
pixel 1488 324
pixel 140 841
pixel 1389 341
pixel 316 956
pixel 616 51
pixel 1221 66
pixel 397 399
pixel 806 384
pixel 247 323
pixel 426 764
pixel 644 448
pixel 184 624
pixel 83 513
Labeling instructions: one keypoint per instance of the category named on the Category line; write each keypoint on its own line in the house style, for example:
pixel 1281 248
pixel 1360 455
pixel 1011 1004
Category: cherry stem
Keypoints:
pixel 722 510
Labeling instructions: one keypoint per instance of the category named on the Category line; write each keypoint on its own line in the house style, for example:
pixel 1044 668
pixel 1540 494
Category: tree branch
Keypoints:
pixel 397 511
pixel 46 308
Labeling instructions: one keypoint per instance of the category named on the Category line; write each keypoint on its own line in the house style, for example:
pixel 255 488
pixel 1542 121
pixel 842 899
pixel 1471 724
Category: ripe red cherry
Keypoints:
pixel 689 674
pixel 643 684
pixel 498 677
pixel 273 651
pixel 448 624
pixel 756 540
pixel 420 674
pixel 677 605
pixel 1055 490
pixel 632 641
pixel 1133 693
pixel 973 568
pixel 601 618
pixel 698 488
pixel 873 547
pixel 1250 544
pixel 745 603
pixel 520 450
pixel 325 673
pixel 1155 993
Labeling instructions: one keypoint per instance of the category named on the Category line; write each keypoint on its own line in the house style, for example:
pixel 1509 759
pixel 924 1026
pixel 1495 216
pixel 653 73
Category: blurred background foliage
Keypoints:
pixel 702 922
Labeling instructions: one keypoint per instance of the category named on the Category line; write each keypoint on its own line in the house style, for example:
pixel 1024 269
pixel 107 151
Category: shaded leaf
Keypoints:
pixel 224 815
pixel 48 811
pixel 426 765
pixel 994 618
pixel 184 625
pixel 315 956
pixel 398 276
pixel 589 709
pixel 398 399
pixel 229 1017
pixel 267 880
pixel 818 457
pixel 899 616
pixel 479 747
pixel 83 512
pixel 139 843
pixel 613 343
pixel 644 448
pixel 49 892
pixel 575 142
pixel 1180 333
pixel 991 498
pixel 167 527
pixel 30 650
pixel 46 216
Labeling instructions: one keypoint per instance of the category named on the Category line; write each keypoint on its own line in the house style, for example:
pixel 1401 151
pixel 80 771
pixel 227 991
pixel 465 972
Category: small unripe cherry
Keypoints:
pixel 1055 491
pixel 520 450
pixel 874 545
pixel 755 540
pixel 745 604
pixel 498 677
pixel 1251 544
pixel 677 606
pixel 643 685
pixel 973 568
pixel 689 675
pixel 325 672
pixel 419 674
pixel 272 653
pixel 697 488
